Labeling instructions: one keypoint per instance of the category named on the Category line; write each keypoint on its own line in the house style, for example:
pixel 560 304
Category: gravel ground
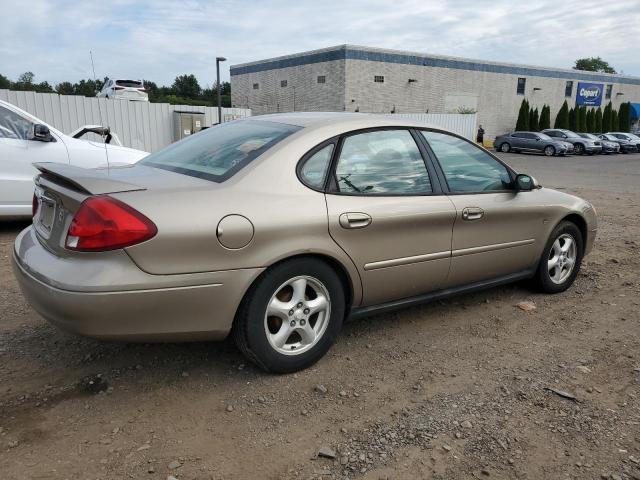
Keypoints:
pixel 471 387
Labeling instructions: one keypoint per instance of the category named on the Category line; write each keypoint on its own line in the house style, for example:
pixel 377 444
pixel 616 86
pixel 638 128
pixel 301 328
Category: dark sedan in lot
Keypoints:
pixel 532 142
pixel 626 146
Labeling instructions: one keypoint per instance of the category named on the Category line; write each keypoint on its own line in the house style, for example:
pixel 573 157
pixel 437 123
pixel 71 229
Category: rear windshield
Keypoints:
pixel 129 83
pixel 219 152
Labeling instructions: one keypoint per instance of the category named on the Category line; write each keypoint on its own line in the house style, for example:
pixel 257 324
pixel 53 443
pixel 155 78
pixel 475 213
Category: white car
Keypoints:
pixel 24 139
pixel 124 90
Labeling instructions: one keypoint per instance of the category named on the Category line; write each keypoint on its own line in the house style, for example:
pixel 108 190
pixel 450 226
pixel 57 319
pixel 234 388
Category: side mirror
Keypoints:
pixel 564 136
pixel 525 183
pixel 41 133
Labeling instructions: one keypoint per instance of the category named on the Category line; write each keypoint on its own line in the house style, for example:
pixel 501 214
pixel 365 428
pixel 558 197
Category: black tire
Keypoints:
pixel 542 278
pixel 505 147
pixel 249 325
pixel 549 150
pixel 578 149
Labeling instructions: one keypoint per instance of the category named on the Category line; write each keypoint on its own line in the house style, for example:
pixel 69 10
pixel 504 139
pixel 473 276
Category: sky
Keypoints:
pixel 160 39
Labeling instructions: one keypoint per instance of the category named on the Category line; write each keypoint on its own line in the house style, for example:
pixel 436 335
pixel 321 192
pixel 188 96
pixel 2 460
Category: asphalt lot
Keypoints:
pixel 458 389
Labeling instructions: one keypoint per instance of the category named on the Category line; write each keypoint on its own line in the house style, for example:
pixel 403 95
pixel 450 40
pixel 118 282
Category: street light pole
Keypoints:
pixel 218 60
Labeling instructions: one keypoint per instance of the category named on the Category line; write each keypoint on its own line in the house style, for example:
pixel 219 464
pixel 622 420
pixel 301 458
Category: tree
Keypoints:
pixel 545 117
pixel 532 120
pixel 597 128
pixel 581 114
pixel 523 116
pixel 606 118
pixel 65 88
pixel 593 64
pixel 562 119
pixel 591 118
pixel 186 86
pixel 573 119
pixel 5 82
pixel 614 120
pixel 624 117
pixel 534 125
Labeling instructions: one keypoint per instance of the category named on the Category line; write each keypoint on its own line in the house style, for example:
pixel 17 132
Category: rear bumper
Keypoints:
pixel 150 308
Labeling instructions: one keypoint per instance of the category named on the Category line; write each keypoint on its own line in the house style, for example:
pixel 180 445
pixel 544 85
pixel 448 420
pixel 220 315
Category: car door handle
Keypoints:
pixel 354 220
pixel 472 213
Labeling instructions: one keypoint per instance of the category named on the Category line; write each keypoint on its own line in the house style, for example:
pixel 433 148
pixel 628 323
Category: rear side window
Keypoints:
pixel 219 152
pixel 314 169
pixel 467 168
pixel 129 83
pixel 386 162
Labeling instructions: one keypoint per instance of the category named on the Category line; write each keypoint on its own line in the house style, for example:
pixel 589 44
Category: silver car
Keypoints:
pixel 532 142
pixel 277 228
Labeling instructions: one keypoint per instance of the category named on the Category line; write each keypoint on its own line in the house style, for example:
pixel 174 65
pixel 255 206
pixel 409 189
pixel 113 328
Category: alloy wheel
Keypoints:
pixel 562 258
pixel 549 151
pixel 297 315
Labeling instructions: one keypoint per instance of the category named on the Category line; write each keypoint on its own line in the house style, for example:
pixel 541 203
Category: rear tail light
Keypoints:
pixel 104 223
pixel 34 205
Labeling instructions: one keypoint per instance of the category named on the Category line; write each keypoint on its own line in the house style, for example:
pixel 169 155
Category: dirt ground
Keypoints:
pixel 457 389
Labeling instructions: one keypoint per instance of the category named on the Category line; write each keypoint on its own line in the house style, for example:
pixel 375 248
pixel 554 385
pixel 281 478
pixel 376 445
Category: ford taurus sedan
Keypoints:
pixel 277 228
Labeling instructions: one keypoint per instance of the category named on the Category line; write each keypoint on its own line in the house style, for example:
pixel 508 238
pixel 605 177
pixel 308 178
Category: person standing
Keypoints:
pixel 480 136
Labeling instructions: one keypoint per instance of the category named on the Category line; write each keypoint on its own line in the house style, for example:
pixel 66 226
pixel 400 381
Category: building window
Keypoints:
pixel 322 79
pixel 283 83
pixel 568 89
pixel 522 82
pixel 378 78
pixel 609 88
pixel 256 86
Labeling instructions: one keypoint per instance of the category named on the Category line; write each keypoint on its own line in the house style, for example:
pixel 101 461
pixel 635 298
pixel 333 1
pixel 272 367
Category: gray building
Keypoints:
pixel 353 78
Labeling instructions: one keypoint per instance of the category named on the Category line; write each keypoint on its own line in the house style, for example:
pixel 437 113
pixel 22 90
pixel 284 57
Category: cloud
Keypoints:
pixel 160 39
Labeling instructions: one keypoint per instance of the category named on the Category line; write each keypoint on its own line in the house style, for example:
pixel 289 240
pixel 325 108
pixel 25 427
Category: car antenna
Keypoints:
pixel 102 134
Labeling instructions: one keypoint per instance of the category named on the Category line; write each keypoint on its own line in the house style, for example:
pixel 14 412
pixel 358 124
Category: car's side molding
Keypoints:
pixel 490 248
pixel 395 262
pixel 358 312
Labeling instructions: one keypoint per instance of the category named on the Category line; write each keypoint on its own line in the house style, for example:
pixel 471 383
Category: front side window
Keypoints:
pixel 219 152
pixel 386 162
pixel 314 169
pixel 522 82
pixel 466 167
pixel 14 126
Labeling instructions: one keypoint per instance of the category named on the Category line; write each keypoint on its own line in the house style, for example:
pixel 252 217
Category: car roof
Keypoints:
pixel 346 119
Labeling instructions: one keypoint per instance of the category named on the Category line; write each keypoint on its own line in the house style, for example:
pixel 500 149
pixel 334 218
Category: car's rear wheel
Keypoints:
pixel 549 151
pixel 291 316
pixel 578 149
pixel 505 147
pixel 561 259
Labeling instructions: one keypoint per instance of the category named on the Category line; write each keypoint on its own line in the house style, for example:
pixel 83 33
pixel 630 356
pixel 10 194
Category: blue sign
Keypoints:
pixel 589 94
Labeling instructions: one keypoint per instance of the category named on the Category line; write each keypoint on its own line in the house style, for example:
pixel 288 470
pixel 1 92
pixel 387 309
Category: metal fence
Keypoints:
pixel 142 125
pixel 462 124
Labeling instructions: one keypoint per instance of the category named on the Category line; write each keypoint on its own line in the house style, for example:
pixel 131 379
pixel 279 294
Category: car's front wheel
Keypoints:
pixel 578 149
pixel 505 147
pixel 291 316
pixel 549 151
pixel 561 258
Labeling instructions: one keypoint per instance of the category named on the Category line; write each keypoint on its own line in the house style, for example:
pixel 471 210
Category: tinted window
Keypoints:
pixel 553 133
pixel 129 83
pixel 382 162
pixel 14 126
pixel 466 167
pixel 568 89
pixel 314 169
pixel 522 82
pixel 518 135
pixel 543 136
pixel 219 152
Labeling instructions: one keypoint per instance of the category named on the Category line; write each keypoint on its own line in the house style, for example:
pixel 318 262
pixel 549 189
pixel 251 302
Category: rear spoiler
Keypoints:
pixel 91 181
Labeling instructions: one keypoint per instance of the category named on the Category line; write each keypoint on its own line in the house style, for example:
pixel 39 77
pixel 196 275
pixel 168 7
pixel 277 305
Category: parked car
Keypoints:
pixel 626 146
pixel 120 89
pixel 95 132
pixel 532 142
pixel 25 139
pixel 607 147
pixel 580 145
pixel 630 137
pixel 278 227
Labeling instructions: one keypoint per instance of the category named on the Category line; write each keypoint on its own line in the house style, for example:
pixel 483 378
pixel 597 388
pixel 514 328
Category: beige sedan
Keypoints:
pixel 277 228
